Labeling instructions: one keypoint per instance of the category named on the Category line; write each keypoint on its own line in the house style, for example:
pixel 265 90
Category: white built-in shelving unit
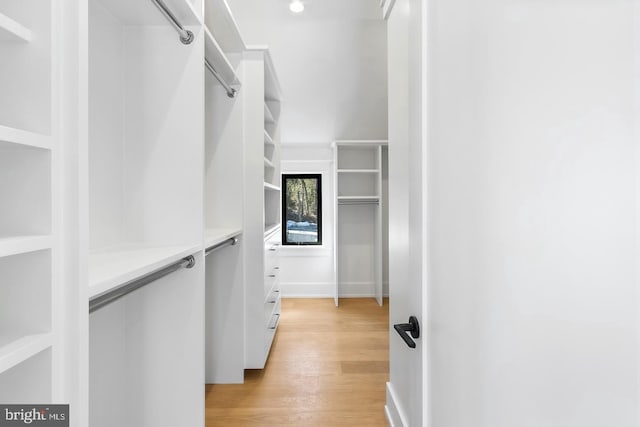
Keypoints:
pixel 224 137
pixel 145 212
pixel 130 158
pixel 262 206
pixel 31 330
pixel 358 210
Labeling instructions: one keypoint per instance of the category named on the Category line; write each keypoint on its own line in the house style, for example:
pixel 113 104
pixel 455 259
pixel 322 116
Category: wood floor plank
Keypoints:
pixel 328 366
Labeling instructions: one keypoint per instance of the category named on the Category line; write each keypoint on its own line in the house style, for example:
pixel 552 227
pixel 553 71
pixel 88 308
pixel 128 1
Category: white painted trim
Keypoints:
pixel 326 290
pixel 307 290
pixel 393 409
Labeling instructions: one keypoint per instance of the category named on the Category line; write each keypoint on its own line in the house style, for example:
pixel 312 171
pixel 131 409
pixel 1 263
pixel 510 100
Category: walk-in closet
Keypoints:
pixel 369 213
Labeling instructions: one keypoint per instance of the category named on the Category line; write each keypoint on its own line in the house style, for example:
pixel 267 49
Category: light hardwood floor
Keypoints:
pixel 328 366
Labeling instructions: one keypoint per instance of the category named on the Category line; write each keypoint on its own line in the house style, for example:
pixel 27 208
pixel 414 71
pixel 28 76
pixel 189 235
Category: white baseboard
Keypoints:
pixel 307 290
pixel 393 409
pixel 327 290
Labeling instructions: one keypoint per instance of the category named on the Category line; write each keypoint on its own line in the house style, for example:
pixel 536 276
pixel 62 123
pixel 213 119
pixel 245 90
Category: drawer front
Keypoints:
pixel 271 252
pixel 271 307
pixel 271 280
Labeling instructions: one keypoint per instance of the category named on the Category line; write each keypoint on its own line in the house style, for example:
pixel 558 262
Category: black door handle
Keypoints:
pixel 413 326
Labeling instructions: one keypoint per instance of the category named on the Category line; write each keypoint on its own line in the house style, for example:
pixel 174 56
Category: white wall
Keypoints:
pixel 532 206
pixel 308 271
pixel 331 62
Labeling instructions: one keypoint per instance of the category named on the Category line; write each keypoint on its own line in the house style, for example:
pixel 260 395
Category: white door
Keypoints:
pixel 525 248
pixel 407 225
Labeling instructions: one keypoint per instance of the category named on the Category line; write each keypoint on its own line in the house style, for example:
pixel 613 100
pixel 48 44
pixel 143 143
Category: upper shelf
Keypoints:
pixel 10 30
pixel 220 21
pixel 21 137
pixel 115 266
pixel 218 60
pixel 213 236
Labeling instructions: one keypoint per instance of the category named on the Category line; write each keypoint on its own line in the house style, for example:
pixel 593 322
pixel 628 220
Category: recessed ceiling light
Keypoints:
pixel 296 6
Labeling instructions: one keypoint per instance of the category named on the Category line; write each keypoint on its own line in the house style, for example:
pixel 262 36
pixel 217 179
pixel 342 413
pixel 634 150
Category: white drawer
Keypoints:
pixel 271 307
pixel 271 280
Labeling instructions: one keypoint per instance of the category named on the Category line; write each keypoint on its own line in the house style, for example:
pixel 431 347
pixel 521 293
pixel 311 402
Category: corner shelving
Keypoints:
pixel 358 214
pixel 268 163
pixel 10 30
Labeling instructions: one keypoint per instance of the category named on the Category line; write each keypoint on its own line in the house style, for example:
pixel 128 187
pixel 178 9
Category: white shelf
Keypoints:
pixel 219 19
pixel 213 236
pixel 15 245
pixel 270 229
pixel 347 199
pixel 112 267
pixel 268 115
pixel 272 187
pixel 10 30
pixel 267 138
pixel 358 171
pixel 268 163
pixel 12 136
pixel 15 349
pixel 218 60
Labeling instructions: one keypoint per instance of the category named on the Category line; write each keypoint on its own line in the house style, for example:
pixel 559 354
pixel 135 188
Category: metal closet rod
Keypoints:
pixel 117 293
pixel 231 92
pixel 229 242
pixel 186 36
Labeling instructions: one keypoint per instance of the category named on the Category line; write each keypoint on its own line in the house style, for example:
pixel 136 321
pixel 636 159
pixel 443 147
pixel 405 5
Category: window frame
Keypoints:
pixel 303 175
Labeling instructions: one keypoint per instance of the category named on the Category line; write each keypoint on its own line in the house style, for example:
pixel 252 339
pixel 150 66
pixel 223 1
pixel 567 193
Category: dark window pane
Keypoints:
pixel 302 208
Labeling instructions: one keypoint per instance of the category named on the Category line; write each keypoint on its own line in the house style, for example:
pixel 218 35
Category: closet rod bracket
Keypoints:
pixel 186 36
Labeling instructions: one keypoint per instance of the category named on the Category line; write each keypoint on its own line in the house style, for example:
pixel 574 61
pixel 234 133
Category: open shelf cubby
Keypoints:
pixel 25 191
pixel 25 74
pixel 24 328
pixel 28 382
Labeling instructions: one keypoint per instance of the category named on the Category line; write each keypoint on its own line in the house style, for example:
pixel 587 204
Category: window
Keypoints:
pixel 302 209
